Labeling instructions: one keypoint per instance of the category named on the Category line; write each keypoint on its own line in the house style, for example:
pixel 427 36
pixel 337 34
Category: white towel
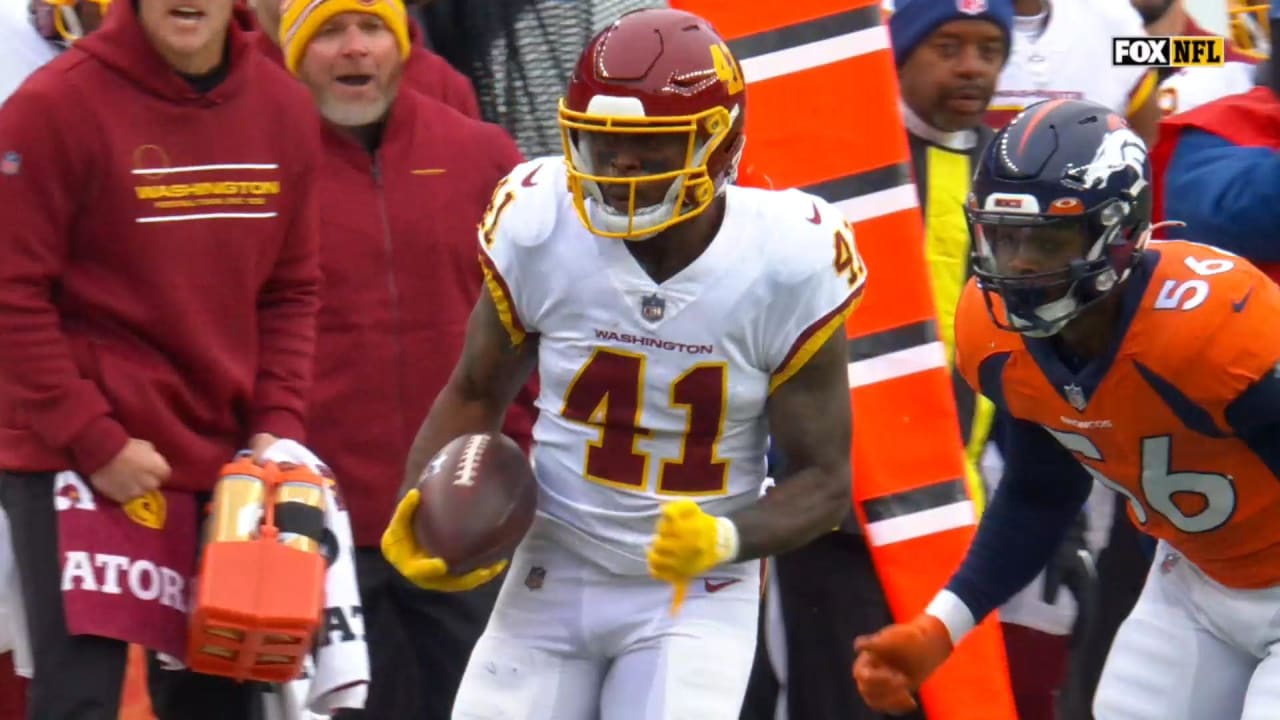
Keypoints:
pixel 336 676
pixel 13 620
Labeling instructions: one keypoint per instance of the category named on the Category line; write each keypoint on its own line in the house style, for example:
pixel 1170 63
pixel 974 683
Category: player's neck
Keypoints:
pixel 1090 335
pixel 674 249
pixel 1172 22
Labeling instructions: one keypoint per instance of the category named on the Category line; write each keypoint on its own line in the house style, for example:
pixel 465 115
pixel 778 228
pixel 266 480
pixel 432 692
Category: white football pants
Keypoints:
pixel 1193 649
pixel 569 640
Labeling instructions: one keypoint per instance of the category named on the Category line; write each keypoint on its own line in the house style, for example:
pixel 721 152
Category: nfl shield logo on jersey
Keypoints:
pixel 535 578
pixel 1075 396
pixel 652 308
pixel 11 163
pixel 971 7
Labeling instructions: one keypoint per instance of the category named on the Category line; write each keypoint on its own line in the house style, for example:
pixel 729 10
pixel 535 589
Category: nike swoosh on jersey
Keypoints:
pixel 817 216
pixel 1238 305
pixel 712 586
pixel 528 179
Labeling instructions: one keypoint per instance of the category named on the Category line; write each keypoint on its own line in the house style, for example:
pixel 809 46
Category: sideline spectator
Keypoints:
pixel 159 278
pixel 424 71
pixel 404 181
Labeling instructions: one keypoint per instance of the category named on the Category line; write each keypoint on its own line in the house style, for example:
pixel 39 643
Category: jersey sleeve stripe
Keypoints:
pixel 813 338
pixel 502 301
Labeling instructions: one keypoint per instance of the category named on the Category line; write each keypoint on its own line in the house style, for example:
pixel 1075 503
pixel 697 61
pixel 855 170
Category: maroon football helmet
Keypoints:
pixel 652 123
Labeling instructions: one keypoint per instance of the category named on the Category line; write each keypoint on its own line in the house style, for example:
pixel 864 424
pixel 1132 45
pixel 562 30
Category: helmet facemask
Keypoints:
pixel 687 155
pixel 64 16
pixel 1087 256
pixel 1249 27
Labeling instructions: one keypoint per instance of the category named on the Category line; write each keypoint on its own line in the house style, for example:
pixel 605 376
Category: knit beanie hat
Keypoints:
pixel 301 20
pixel 913 21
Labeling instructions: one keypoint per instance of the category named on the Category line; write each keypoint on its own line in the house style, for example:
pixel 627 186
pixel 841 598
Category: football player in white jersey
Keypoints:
pixel 676 321
pixel 1062 50
pixel 1182 89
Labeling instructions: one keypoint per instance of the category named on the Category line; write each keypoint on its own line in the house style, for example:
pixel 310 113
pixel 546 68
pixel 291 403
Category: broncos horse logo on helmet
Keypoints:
pixel 1060 209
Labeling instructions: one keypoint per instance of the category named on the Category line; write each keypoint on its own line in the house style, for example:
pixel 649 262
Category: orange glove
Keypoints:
pixel 892 663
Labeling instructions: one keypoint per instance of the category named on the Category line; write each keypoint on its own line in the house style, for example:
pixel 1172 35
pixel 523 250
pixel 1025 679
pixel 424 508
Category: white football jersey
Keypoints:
pixel 652 392
pixel 1070 60
pixel 1194 86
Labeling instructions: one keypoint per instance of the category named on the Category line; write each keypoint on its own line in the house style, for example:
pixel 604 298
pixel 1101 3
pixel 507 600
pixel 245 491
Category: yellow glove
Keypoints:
pixel 400 548
pixel 689 542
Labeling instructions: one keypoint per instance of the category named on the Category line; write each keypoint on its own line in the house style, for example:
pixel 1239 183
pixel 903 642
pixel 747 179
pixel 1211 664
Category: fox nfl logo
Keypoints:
pixel 1193 51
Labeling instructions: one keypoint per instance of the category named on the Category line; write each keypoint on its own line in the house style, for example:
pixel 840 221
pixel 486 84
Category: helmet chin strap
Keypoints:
pixel 1151 229
pixel 1056 315
pixel 607 219
pixel 641 220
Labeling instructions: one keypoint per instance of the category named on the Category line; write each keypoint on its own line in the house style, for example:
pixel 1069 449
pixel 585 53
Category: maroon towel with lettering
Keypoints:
pixel 126 570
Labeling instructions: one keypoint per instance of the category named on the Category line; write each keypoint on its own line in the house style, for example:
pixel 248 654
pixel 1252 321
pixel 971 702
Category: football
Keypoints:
pixel 477 500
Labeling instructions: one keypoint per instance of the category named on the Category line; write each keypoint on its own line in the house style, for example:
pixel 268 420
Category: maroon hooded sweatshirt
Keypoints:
pixel 159 266
pixel 398 250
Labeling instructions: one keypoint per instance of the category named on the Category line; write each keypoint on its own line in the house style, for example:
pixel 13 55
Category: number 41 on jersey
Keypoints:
pixel 608 395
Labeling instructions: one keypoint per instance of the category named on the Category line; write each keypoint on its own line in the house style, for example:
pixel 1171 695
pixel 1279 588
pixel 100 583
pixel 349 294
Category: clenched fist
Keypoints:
pixel 688 542
pixel 892 663
pixel 136 470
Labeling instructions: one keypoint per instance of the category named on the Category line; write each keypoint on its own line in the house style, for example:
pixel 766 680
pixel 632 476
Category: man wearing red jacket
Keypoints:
pixel 159 280
pixel 404 182
pixel 424 71
pixel 1216 168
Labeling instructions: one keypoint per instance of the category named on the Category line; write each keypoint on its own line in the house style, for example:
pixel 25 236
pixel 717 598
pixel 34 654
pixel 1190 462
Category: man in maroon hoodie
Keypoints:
pixel 424 71
pixel 403 184
pixel 159 280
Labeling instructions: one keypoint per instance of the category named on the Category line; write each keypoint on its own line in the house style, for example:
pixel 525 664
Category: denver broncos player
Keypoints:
pixel 1153 368
pixel 675 320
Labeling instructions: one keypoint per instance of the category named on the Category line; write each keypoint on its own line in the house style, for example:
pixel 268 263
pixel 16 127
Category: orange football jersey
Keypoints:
pixel 1150 418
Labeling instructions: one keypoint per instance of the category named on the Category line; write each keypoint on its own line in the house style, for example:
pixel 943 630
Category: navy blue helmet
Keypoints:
pixel 1059 211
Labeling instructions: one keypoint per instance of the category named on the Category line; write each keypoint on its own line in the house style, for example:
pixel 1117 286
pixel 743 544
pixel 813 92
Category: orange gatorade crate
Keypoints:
pixel 258 600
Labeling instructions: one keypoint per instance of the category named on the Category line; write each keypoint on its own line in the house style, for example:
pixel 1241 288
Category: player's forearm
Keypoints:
pixel 1019 534
pixel 806 505
pixel 454 413
pixel 287 307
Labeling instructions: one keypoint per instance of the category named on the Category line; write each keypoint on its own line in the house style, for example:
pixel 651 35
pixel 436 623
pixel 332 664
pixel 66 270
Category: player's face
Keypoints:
pixel 189 34
pixel 629 155
pixel 949 79
pixel 1025 251
pixel 91 14
pixel 352 67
